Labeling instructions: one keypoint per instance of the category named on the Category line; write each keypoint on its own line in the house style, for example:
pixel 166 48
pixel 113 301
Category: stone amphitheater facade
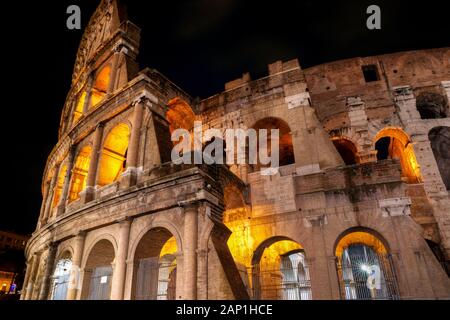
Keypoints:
pixel 363 181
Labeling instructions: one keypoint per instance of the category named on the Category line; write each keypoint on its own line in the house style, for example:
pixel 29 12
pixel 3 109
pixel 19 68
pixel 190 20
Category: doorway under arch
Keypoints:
pixel 280 271
pixel 98 272
pixel 364 266
pixel 155 266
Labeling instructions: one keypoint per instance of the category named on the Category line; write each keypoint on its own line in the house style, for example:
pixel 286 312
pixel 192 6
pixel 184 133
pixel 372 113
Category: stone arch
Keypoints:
pixel 286 145
pixel 154 264
pixel 440 144
pixel 394 143
pixel 114 153
pixel 431 105
pixel 98 269
pixel 80 172
pixel 100 85
pixel 364 265
pixel 61 275
pixel 153 225
pixel 180 115
pixel 280 270
pixel 346 149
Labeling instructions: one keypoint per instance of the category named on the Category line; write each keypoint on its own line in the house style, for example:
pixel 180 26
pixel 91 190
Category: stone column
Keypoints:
pixel 49 197
pixel 66 187
pixel 130 175
pixel 120 265
pixel 89 193
pixel 49 266
pixel 190 251
pixel 44 204
pixel 74 283
pixel 30 284
pixel 26 280
pixel 87 101
pixel 115 62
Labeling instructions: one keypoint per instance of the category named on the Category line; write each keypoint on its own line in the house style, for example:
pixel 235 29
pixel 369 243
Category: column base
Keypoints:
pixel 87 195
pixel 128 178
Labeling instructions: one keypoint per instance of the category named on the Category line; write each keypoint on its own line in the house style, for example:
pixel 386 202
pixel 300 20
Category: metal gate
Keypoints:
pixel 61 279
pixel 60 287
pixel 100 284
pixel 156 280
pixel 291 281
pixel 366 275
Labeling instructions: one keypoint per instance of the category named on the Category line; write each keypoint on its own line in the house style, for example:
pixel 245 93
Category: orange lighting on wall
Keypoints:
pixel 59 185
pixel 360 238
pixel 112 161
pixel 401 148
pixel 79 173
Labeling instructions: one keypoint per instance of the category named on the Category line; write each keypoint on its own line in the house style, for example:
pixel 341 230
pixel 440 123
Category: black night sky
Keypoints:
pixel 198 44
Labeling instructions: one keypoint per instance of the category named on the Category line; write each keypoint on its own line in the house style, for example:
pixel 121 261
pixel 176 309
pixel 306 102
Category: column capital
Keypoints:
pixel 80 234
pixel 145 98
pixel 125 221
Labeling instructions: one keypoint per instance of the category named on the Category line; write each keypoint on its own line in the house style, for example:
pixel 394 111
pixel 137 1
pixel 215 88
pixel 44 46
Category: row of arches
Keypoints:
pixel 111 165
pixel 394 143
pixel 93 93
pixel 280 269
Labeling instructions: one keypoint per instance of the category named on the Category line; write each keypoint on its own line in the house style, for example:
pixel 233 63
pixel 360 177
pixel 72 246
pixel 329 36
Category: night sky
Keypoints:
pixel 198 44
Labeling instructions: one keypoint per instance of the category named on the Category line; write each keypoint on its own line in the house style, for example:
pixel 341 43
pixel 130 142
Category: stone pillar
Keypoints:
pixel 120 265
pixel 321 284
pixel 405 103
pixel 66 188
pixel 74 282
pixel 114 69
pixel 26 280
pixel 129 177
pixel 49 266
pixel 44 204
pixel 89 193
pixel 30 284
pixel 190 251
pixel 87 101
pixel 47 201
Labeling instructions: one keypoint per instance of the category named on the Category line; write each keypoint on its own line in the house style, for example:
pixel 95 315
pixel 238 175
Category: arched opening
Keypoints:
pixel 286 148
pixel 61 277
pixel 98 272
pixel 113 158
pixel 59 185
pixel 394 143
pixel 100 86
pixel 364 267
pixel 440 143
pixel 79 173
pixel 431 105
pixel 280 271
pixel 180 115
pixel 79 107
pixel 155 266
pixel 346 149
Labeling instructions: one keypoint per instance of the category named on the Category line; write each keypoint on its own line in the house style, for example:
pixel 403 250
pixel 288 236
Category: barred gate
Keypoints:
pixel 61 279
pixel 156 280
pixel 291 281
pixel 100 283
pixel 60 287
pixel 368 276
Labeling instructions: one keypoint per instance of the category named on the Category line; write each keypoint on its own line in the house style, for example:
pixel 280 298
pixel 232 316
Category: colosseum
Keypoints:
pixel 359 207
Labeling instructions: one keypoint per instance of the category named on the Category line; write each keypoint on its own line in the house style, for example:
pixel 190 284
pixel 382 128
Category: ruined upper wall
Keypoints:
pixel 284 78
pixel 332 84
pixel 333 87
